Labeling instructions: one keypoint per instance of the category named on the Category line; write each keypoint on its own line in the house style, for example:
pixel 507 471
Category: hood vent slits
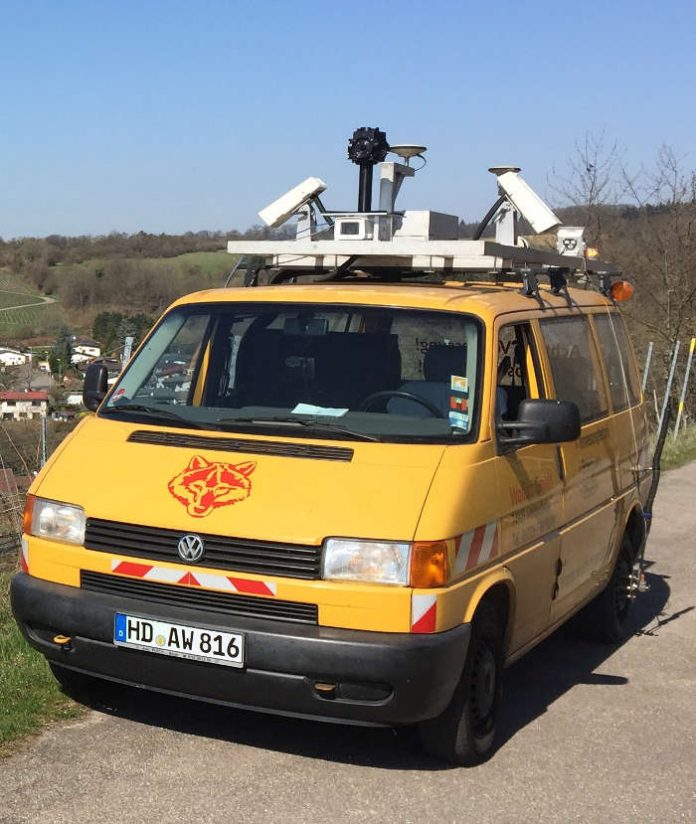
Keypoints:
pixel 250 446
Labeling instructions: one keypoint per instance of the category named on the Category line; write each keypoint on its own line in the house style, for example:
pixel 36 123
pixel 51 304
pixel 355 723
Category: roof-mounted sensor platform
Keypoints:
pixel 393 244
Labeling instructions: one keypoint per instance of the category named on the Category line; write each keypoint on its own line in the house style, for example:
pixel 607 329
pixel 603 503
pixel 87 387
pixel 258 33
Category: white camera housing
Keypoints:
pixel 524 199
pixel 276 213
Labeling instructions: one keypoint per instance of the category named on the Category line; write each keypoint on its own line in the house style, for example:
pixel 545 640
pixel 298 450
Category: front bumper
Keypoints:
pixel 382 678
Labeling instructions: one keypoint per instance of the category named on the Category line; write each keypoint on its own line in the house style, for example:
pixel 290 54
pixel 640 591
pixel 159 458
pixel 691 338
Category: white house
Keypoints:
pixel 23 405
pixel 12 357
pixel 84 349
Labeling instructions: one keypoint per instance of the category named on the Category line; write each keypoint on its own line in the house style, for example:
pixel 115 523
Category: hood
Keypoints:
pixel 271 489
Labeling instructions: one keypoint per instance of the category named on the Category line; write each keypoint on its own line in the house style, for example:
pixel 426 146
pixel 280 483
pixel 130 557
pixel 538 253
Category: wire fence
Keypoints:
pixel 667 373
pixel 11 509
pixel 9 544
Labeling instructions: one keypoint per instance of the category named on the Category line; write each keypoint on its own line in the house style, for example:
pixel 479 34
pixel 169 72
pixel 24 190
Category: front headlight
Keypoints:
pixel 54 520
pixel 379 562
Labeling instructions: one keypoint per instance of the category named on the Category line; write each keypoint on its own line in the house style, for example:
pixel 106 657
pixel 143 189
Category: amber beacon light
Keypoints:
pixel 621 290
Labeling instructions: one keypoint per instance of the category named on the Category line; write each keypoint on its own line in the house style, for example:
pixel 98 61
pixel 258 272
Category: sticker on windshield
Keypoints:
pixel 459 419
pixel 206 485
pixel 310 409
pixel 459 384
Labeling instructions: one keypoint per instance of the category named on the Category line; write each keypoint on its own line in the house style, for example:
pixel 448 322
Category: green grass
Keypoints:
pixel 13 283
pixel 29 695
pixel 18 299
pixel 14 292
pixel 210 263
pixel 26 318
pixel 680 451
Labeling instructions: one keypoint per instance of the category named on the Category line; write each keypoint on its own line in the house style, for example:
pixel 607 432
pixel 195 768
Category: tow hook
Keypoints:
pixel 63 641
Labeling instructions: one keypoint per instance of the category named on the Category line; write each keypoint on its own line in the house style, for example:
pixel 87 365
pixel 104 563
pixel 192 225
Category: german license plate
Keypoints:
pixel 181 640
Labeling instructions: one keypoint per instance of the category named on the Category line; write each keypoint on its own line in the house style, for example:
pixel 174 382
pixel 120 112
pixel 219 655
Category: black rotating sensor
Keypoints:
pixel 366 148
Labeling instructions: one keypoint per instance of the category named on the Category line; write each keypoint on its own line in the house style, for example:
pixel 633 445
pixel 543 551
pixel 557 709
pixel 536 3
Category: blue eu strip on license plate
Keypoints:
pixel 180 640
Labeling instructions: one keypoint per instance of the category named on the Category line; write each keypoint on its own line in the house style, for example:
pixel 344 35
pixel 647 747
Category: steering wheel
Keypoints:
pixel 396 393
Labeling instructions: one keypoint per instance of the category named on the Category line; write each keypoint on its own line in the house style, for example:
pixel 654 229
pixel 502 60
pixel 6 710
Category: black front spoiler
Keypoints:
pixel 381 678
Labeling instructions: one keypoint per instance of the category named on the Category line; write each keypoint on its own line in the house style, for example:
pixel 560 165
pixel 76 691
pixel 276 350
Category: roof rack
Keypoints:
pixel 396 246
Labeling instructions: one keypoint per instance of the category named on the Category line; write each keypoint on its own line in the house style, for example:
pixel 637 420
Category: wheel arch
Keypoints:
pixel 498 590
pixel 634 527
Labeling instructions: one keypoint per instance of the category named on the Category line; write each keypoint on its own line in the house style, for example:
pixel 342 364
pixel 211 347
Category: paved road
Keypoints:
pixel 589 735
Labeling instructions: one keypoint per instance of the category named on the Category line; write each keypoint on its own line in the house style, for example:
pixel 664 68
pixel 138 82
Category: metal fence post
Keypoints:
pixel 682 396
pixel 43 440
pixel 646 370
pixel 668 388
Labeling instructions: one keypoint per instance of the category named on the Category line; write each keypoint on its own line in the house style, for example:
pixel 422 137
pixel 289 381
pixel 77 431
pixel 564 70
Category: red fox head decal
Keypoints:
pixel 204 486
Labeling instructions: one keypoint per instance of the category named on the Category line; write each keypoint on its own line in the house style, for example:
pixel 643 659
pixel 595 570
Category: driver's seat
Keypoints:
pixel 440 363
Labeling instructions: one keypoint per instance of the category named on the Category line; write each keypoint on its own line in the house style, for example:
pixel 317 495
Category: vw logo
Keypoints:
pixel 191 548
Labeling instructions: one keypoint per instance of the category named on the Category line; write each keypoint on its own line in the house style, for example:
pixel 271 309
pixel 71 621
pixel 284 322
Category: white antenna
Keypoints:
pixel 408 150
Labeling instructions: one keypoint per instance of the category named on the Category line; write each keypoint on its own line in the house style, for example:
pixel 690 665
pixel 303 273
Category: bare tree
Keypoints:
pixel 645 222
pixel 659 249
pixel 590 183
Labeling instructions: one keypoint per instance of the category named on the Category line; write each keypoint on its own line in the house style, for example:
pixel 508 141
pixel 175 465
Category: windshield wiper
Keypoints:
pixel 315 426
pixel 153 412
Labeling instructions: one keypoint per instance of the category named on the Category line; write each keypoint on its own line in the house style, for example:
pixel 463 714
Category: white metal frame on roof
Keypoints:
pixel 415 253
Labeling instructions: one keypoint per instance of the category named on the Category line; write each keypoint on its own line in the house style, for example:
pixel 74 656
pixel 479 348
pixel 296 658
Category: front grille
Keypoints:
pixel 252 447
pixel 181 596
pixel 261 557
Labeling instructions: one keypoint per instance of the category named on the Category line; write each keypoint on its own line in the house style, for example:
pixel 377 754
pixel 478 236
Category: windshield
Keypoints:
pixel 335 371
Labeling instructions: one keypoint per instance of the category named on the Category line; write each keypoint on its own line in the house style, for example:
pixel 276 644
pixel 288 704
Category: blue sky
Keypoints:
pixel 170 116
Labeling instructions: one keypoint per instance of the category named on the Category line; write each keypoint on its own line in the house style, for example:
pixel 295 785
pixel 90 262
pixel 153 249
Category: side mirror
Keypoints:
pixel 95 386
pixel 540 421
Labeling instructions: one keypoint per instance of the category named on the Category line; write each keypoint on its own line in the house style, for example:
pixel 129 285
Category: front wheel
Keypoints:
pixel 465 731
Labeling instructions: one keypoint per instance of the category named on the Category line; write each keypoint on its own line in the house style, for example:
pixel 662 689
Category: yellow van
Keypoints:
pixel 354 498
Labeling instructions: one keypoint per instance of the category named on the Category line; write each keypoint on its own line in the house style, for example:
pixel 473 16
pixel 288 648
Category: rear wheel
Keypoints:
pixel 607 617
pixel 465 731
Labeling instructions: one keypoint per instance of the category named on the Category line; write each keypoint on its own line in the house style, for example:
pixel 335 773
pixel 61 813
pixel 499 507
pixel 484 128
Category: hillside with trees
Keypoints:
pixel 138 274
pixel 116 284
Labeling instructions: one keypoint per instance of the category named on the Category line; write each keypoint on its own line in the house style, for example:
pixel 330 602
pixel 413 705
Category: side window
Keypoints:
pixel 574 367
pixel 515 374
pixel 616 352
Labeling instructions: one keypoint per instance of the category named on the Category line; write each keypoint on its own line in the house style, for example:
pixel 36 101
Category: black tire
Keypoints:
pixel 464 733
pixel 607 617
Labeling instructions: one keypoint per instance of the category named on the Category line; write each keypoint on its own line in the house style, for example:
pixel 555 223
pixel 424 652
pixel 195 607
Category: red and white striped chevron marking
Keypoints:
pixel 24 556
pixel 476 547
pixel 423 613
pixel 208 580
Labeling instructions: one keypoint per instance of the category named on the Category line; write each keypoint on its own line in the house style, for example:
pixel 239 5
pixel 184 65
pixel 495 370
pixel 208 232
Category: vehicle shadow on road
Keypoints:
pixel 564 661
pixel 531 687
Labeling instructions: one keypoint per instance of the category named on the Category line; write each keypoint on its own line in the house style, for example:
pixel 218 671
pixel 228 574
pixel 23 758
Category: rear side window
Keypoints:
pixel 574 367
pixel 616 352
